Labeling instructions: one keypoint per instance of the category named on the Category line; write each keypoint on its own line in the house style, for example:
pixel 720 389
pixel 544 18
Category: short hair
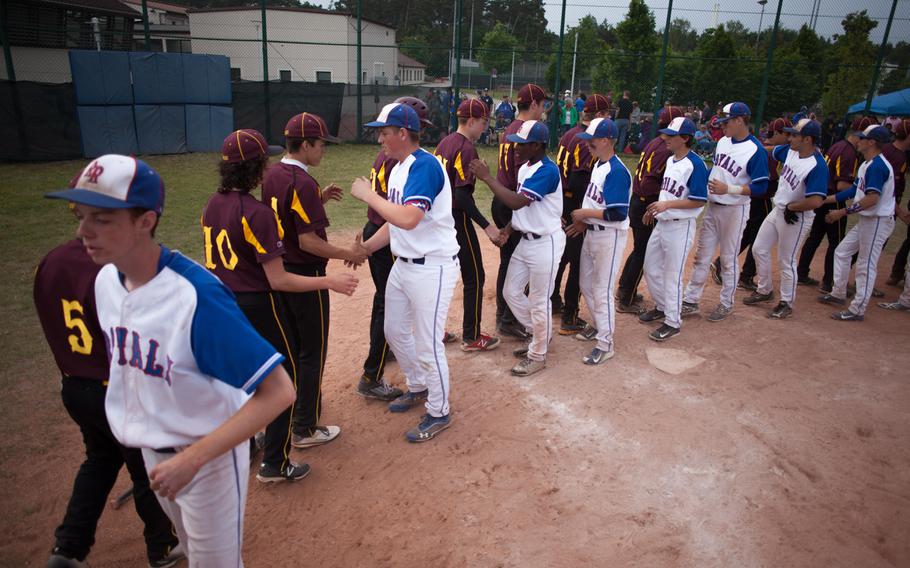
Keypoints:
pixel 523 106
pixel 414 136
pixel 462 120
pixel 294 144
pixel 136 212
pixel 690 140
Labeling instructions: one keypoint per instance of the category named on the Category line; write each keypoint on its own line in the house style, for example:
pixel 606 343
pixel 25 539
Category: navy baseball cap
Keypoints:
pixel 679 125
pixel 600 128
pixel 732 110
pixel 806 127
pixel 875 132
pixel 116 182
pixel 399 115
pixel 530 131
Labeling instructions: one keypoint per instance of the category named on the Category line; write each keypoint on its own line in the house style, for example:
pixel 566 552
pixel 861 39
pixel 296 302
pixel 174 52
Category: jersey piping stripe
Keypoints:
pixel 611 301
pixel 438 341
pixel 297 207
pixel 796 247
pixel 249 237
pixel 239 506
pixel 287 348
pixel 872 247
pixel 458 166
pixel 682 266
pixel 277 219
pixel 742 227
pixel 322 352
pixel 478 287
pixel 267 366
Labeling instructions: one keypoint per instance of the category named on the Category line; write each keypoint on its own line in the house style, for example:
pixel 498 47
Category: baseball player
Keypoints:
pixel 190 380
pixel 65 301
pixel 897 153
pixel 296 197
pixel 683 193
pixel 903 302
pixel 243 248
pixel 575 162
pixel 531 101
pixel 456 152
pixel 842 165
pixel 536 219
pixel 801 189
pixel 646 184
pixel 421 232
pixel 603 219
pixel 873 199
pixel 740 171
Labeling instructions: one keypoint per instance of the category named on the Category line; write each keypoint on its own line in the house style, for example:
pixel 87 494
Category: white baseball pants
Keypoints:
pixel 208 512
pixel 416 306
pixel 665 261
pixel 789 240
pixel 534 265
pixel 867 238
pixel 721 227
pixel 601 263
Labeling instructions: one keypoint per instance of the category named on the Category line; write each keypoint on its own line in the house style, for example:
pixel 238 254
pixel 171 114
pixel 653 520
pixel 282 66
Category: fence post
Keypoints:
pixel 359 73
pixel 881 55
pixel 145 26
pixel 659 93
pixel 265 76
pixel 554 108
pixel 7 52
pixel 762 98
pixel 453 121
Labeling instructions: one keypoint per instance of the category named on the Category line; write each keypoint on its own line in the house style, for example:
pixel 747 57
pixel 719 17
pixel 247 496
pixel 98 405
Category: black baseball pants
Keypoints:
pixel 380 263
pixel 899 268
pixel 820 229
pixel 472 274
pixel 633 269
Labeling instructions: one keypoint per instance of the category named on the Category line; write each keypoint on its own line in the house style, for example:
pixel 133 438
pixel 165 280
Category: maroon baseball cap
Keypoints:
pixel 530 93
pixel 666 116
pixel 246 144
pixel 472 108
pixel 423 112
pixel 903 129
pixel 778 125
pixel 596 103
pixel 862 123
pixel 308 125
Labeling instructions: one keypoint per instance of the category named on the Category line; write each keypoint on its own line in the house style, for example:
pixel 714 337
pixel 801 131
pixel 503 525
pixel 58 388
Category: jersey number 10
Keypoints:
pixel 225 250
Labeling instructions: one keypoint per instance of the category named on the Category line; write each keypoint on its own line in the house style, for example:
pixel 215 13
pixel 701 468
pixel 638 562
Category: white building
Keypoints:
pixel 410 71
pixel 169 26
pixel 303 44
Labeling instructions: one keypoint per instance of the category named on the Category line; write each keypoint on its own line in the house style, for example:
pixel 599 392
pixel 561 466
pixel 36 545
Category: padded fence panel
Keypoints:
pixel 101 77
pixel 207 127
pixel 207 79
pixel 107 130
pixel 161 129
pixel 38 121
pixel 157 78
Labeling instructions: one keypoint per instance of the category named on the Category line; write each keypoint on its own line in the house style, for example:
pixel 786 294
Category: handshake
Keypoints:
pixel 357 254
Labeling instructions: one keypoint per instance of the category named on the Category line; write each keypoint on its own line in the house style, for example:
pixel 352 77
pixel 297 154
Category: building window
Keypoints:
pixel 284 75
pixel 323 76
pixel 235 74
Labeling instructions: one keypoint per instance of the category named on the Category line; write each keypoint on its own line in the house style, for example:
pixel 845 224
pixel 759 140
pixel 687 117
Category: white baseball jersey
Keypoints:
pixel 183 357
pixel 686 178
pixel 609 189
pixel 421 181
pixel 799 177
pixel 540 183
pixel 740 162
pixel 875 176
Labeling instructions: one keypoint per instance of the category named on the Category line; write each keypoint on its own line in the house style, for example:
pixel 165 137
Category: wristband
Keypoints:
pixel 854 208
pixel 735 189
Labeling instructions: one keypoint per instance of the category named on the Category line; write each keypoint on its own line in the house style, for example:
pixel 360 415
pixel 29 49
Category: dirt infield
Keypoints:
pixel 786 446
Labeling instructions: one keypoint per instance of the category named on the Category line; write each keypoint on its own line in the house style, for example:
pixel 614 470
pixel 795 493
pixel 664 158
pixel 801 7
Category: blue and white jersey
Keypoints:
pixel 742 162
pixel 540 183
pixel 183 357
pixel 876 176
pixel 420 180
pixel 799 177
pixel 610 188
pixel 686 178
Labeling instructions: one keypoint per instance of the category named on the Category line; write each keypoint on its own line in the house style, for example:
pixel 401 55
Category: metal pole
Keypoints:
pixel 512 75
pixel 554 109
pixel 359 74
pixel 457 85
pixel 7 52
pixel 145 26
pixel 764 83
pixel 265 76
pixel 660 76
pixel 574 58
pixel 471 39
pixel 760 20
pixel 878 64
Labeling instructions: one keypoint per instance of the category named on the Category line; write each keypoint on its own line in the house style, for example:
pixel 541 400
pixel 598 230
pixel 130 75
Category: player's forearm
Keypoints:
pixel 283 281
pixel 685 204
pixel 869 201
pixel 808 204
pixel 506 196
pixel 403 216
pixel 314 245
pixel 380 239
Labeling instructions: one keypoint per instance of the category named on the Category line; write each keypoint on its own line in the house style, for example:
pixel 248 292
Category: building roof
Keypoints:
pixel 158 6
pixel 405 61
pixel 107 6
pixel 285 9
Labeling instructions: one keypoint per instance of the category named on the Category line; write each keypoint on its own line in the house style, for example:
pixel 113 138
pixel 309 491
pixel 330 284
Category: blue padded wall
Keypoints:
pixel 101 77
pixel 207 79
pixel 207 126
pixel 157 78
pixel 161 129
pixel 107 130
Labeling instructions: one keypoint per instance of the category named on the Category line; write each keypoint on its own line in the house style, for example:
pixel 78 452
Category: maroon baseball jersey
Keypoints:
pixel 290 190
pixel 842 164
pixel 898 160
pixel 240 233
pixel 379 179
pixel 65 300
pixel 507 174
pixel 650 170
pixel 774 167
pixel 456 152
pixel 573 154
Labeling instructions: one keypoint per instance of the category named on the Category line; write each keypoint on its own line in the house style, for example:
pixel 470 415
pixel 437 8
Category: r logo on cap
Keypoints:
pixel 93 172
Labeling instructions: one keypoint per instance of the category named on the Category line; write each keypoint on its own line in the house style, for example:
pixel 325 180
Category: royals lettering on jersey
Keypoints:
pixel 740 162
pixel 876 176
pixel 540 184
pixel 379 180
pixel 183 357
pixel 420 181
pixel 686 178
pixel 610 188
pixel 290 190
pixel 800 177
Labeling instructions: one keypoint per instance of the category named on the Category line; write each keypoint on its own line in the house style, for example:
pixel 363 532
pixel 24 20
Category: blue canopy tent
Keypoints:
pixel 891 104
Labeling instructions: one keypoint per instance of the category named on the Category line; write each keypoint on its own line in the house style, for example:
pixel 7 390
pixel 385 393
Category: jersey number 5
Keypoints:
pixel 228 258
pixel 81 341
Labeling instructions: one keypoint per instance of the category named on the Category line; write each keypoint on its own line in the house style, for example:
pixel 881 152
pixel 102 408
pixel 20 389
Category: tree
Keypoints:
pixel 853 60
pixel 495 50
pixel 590 52
pixel 683 38
pixel 632 64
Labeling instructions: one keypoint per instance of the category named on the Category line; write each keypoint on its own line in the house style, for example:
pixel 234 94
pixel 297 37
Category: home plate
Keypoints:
pixel 673 361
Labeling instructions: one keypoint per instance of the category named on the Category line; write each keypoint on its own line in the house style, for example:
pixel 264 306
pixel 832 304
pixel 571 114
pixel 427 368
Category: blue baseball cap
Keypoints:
pixel 530 131
pixel 116 182
pixel 877 133
pixel 399 115
pixel 732 110
pixel 806 127
pixel 679 125
pixel 600 128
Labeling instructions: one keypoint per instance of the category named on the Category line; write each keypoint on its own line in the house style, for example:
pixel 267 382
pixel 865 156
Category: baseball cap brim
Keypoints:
pixel 790 130
pixel 668 132
pixel 518 139
pixel 584 136
pixel 91 198
pixel 378 124
pixel 273 150
pixel 330 139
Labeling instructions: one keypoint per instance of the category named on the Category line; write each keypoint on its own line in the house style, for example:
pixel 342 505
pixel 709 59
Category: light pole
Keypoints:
pixel 760 19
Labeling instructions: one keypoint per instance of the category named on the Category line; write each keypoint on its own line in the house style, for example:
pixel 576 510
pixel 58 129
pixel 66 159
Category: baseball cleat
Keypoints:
pixel 587 334
pixel 321 435
pixel 757 298
pixel 781 311
pixel 513 329
pixel 747 283
pixel 825 287
pixel 651 315
pixel 876 293
pixel 663 333
pixel 482 343
pixel 597 356
pixel 291 472
pixel 633 308
pixel 407 401
pixel 720 313
pixel 520 352
pixel 895 306
pixel 449 337
pixel 527 367
pixel 571 328
pixel 428 428
pixel 832 299
pixel 807 281
pixel 171 559
pixel 377 390
pixel 846 315
pixel 716 273
pixel 688 309
pixel 897 281
pixel 58 560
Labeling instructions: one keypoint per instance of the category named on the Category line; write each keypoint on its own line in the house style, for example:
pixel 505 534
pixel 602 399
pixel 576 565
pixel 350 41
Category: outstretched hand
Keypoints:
pixel 331 193
pixel 361 189
pixel 343 283
pixel 480 169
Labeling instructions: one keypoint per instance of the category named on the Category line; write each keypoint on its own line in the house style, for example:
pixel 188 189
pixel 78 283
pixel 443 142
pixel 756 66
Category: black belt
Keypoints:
pixel 598 228
pixel 721 204
pixel 530 236
pixel 165 450
pixel 422 260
